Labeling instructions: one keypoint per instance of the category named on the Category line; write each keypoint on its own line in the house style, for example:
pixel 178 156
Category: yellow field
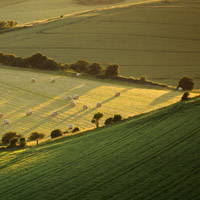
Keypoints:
pixel 18 95
pixel 159 40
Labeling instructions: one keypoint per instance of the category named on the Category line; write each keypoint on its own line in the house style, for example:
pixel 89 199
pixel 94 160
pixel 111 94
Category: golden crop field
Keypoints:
pixel 18 95
pixel 159 40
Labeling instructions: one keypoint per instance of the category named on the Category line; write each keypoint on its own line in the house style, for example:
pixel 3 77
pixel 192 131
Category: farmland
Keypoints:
pixel 155 156
pixel 157 40
pixel 18 95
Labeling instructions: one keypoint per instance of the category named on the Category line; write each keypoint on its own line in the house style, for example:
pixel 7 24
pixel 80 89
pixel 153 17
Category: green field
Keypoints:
pixel 153 157
pixel 159 40
pixel 24 11
pixel 18 95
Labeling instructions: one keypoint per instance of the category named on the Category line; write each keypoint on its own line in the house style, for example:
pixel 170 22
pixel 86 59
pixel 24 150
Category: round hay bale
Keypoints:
pixel 69 97
pixel 73 104
pixel 1 115
pixel 52 80
pixel 85 107
pixel 6 121
pixel 76 96
pixel 98 105
pixel 71 126
pixel 180 89
pixel 117 94
pixel 29 112
pixel 78 74
pixel 33 80
pixel 54 113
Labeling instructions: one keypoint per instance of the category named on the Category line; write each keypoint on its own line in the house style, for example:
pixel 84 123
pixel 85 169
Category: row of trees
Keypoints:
pixel 83 66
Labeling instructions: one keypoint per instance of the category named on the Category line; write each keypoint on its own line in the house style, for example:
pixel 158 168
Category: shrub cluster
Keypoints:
pixel 7 24
pixel 56 133
pixel 13 140
pixel 111 120
pixel 36 61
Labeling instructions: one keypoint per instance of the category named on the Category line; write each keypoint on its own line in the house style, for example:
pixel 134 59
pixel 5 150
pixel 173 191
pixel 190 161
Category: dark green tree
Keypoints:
pixel 187 83
pixel 112 70
pixel 96 118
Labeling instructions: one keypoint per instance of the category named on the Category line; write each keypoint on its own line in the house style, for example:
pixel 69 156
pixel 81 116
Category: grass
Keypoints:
pixel 158 40
pixel 18 95
pixel 155 157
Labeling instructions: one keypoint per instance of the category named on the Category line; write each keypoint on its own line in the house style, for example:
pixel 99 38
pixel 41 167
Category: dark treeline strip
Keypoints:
pixel 39 61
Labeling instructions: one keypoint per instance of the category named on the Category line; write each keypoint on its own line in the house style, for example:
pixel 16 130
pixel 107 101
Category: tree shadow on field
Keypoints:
pixel 165 97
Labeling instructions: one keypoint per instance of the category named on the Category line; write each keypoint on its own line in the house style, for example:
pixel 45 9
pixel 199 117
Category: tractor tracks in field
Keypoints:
pixel 139 163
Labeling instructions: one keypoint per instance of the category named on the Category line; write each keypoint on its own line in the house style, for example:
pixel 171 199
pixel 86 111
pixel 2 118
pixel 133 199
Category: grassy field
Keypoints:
pixel 153 157
pixel 24 11
pixel 18 95
pixel 159 40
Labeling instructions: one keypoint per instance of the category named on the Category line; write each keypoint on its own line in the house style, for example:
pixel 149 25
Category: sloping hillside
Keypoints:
pixel 159 40
pixel 153 157
pixel 18 95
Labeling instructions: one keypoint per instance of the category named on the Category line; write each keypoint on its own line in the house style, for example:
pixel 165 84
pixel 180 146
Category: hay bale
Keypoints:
pixel 85 107
pixel 33 80
pixel 98 105
pixel 69 97
pixel 180 89
pixel 54 113
pixel 76 96
pixel 78 74
pixel 6 121
pixel 1 115
pixel 52 80
pixel 73 104
pixel 71 126
pixel 29 112
pixel 117 94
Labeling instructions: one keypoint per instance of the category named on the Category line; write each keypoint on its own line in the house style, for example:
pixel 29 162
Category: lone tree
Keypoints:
pixel 187 83
pixel 96 118
pixel 36 136
pixel 112 70
pixel 185 96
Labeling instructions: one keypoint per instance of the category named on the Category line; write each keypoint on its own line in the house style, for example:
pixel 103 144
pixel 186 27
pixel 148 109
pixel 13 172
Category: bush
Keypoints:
pixel 143 78
pixel 76 129
pixel 185 96
pixel 6 138
pixel 22 142
pixel 112 70
pixel 35 136
pixel 108 121
pixel 187 83
pixel 7 24
pixel 56 133
pixel 95 69
pixel 117 118
pixel 80 66
pixel 13 142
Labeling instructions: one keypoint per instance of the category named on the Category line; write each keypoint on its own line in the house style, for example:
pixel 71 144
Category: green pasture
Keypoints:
pixel 159 40
pixel 153 157
pixel 18 95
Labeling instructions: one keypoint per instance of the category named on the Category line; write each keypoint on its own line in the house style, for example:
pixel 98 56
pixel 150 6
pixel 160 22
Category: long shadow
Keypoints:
pixel 164 97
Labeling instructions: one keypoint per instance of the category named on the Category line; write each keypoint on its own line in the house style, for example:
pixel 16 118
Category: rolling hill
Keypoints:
pixel 154 156
pixel 158 40
pixel 18 95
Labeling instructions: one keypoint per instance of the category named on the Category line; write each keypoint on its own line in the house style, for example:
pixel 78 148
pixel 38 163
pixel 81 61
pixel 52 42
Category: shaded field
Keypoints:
pixel 18 95
pixel 160 40
pixel 155 156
